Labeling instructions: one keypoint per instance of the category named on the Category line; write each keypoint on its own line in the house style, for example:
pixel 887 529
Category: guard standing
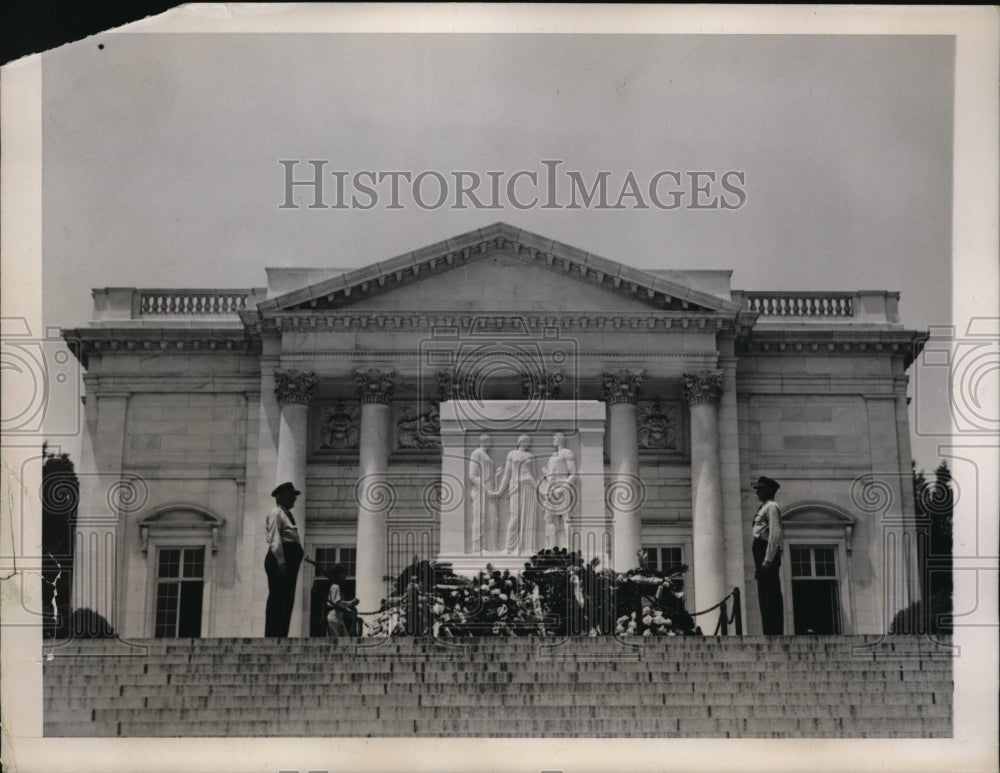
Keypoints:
pixel 284 556
pixel 767 556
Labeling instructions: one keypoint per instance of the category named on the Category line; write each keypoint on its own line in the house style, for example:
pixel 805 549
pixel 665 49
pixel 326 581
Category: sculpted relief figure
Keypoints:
pixel 339 426
pixel 518 478
pixel 418 431
pixel 657 426
pixel 484 504
pixel 555 491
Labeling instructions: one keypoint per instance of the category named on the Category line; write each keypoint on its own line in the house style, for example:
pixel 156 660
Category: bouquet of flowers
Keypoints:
pixel 556 594
pixel 650 603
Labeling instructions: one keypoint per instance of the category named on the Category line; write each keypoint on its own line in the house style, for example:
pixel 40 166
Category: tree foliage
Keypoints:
pixel 60 501
pixel 934 509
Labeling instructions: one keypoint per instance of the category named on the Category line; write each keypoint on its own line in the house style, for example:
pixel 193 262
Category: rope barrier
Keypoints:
pixel 716 606
pixel 734 617
pixel 725 618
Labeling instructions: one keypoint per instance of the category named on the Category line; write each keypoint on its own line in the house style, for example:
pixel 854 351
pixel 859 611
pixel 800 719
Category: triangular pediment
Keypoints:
pixel 499 268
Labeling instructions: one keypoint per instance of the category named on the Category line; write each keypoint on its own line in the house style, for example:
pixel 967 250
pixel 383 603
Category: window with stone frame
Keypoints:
pixel 180 589
pixel 816 603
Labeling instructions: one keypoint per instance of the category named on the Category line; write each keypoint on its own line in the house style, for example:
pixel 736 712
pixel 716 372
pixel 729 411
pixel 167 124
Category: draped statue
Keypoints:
pixel 556 492
pixel 519 480
pixel 484 503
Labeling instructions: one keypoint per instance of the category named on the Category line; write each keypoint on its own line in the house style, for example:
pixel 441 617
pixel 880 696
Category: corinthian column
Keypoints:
pixel 375 498
pixel 621 392
pixel 294 390
pixel 702 391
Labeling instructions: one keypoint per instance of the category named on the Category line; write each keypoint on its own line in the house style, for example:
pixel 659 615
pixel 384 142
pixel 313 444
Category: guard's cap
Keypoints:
pixel 764 482
pixel 285 488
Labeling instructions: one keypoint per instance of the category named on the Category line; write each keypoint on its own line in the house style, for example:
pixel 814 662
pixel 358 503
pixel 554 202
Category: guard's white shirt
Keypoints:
pixel 767 525
pixel 280 529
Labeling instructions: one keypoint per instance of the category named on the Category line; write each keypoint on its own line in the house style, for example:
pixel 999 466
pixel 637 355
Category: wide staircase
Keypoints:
pixel 749 686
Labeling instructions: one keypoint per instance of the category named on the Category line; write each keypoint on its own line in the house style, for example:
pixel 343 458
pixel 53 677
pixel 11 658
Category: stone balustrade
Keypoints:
pixel 130 303
pixel 801 304
pixel 867 306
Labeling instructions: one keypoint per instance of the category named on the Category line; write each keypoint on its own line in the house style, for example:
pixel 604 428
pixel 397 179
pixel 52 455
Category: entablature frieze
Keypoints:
pixel 124 385
pixel 174 471
pixel 393 354
pixel 874 387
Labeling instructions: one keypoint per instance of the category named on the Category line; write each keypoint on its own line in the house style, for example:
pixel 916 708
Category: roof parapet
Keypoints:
pixel 868 307
pixel 130 304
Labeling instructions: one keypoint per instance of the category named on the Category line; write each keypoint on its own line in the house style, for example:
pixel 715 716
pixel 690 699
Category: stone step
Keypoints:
pixel 530 687
pixel 468 663
pixel 826 691
pixel 413 706
pixel 333 713
pixel 880 681
pixel 851 694
pixel 545 728
pixel 322 658
pixel 397 645
pixel 600 672
pixel 100 666
pixel 888 644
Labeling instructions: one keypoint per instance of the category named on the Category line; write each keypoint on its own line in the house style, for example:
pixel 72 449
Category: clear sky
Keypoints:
pixel 160 153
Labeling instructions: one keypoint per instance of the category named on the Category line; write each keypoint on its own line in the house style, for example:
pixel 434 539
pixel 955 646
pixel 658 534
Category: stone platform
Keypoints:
pixel 750 687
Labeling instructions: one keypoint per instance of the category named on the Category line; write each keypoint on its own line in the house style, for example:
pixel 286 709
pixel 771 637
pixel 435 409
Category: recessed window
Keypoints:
pixel 815 589
pixel 661 558
pixel 180 585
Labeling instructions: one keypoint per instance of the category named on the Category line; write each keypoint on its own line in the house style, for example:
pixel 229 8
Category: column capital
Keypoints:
pixel 623 386
pixel 542 386
pixel 294 386
pixel 375 386
pixel 705 387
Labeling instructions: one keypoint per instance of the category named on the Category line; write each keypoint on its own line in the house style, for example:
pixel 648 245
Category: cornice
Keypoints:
pixel 493 323
pixel 834 341
pixel 87 342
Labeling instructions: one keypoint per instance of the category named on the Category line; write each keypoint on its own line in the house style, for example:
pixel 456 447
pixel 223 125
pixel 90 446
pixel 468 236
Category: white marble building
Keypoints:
pixel 369 389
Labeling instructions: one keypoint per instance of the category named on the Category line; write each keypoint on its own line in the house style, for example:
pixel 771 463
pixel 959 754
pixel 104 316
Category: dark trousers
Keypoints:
pixel 772 606
pixel 281 589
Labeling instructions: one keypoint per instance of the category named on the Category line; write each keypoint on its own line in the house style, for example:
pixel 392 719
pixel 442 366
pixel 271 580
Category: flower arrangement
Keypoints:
pixel 556 594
